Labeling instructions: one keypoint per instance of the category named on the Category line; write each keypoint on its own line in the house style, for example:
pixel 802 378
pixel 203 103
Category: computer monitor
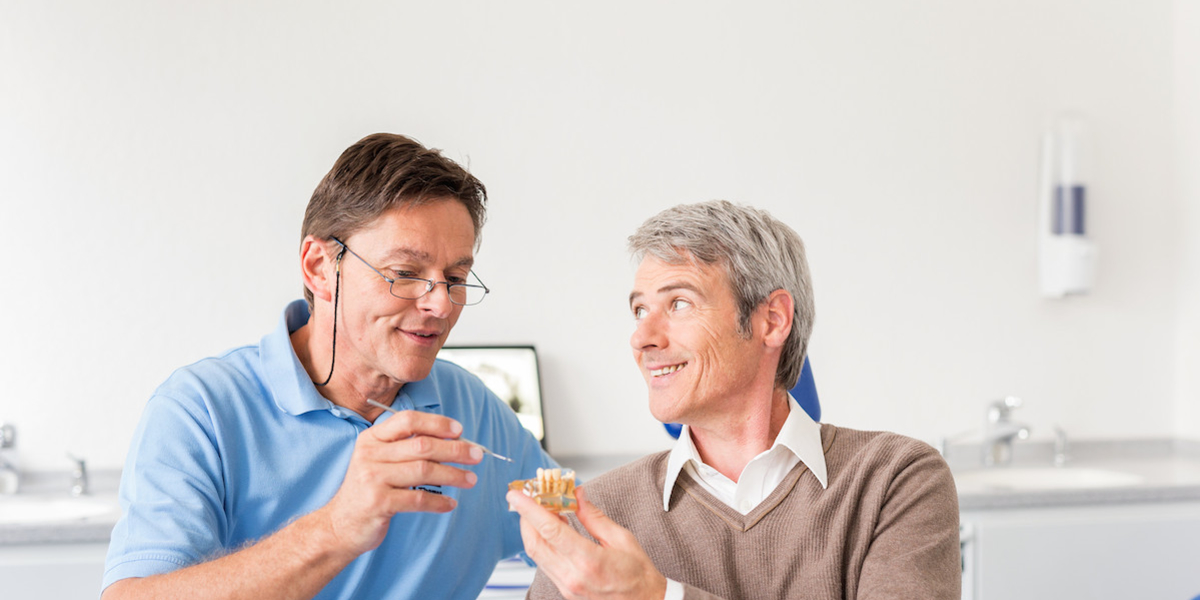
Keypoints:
pixel 512 373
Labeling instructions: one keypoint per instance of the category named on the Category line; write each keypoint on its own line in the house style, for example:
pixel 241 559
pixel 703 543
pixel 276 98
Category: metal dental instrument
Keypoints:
pixel 480 446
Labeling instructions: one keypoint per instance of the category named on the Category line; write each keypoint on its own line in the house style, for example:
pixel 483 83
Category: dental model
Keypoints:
pixel 553 489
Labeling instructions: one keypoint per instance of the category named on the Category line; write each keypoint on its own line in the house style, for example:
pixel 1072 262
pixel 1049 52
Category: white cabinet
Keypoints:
pixel 1149 550
pixel 51 571
pixel 74 572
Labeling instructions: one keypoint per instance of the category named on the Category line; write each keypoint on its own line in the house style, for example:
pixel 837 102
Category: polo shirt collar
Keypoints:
pixel 295 394
pixel 420 395
pixel 800 434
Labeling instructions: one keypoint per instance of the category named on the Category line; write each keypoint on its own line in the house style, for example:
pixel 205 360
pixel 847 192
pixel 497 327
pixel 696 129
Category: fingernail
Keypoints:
pixel 476 453
pixel 472 478
pixel 456 428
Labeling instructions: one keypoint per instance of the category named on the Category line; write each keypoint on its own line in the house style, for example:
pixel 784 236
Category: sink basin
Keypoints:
pixel 39 508
pixel 1043 478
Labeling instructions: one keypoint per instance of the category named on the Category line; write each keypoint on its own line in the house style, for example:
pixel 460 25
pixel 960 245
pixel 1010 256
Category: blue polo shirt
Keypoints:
pixel 232 448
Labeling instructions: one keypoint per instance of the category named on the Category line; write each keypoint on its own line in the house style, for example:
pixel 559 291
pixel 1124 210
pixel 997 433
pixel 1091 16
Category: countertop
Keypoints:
pixel 1165 471
pixel 54 486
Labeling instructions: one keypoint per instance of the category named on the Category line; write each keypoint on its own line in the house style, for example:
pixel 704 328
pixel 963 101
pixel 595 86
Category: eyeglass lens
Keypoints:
pixel 411 289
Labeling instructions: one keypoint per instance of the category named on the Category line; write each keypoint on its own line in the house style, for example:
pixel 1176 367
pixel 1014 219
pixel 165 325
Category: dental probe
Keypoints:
pixel 480 446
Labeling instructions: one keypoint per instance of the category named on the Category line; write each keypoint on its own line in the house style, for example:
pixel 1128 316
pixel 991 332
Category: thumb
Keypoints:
pixel 604 529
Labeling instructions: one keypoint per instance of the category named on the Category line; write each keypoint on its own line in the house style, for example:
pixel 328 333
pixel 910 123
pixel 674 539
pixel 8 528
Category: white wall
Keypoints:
pixel 1187 157
pixel 156 158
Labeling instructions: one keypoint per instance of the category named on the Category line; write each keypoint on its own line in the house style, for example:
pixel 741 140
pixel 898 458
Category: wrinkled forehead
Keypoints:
pixel 658 276
pixel 428 233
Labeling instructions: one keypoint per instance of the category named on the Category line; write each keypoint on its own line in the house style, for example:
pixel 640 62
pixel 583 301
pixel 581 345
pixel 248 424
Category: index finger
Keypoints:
pixel 553 530
pixel 407 423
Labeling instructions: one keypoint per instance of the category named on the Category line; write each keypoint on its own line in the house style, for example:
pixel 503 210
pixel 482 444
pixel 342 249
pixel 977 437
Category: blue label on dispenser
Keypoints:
pixel 1068 214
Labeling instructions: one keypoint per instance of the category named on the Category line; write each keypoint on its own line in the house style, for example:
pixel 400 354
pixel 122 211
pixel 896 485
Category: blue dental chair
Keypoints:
pixel 805 393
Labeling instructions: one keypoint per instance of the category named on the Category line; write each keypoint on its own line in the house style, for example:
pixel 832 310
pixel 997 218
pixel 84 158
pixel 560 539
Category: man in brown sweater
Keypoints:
pixel 756 500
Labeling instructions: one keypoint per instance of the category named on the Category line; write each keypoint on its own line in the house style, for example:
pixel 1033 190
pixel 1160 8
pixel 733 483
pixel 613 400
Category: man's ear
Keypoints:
pixel 318 266
pixel 779 311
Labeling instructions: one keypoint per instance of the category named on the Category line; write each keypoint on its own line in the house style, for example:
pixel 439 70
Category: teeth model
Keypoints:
pixel 553 489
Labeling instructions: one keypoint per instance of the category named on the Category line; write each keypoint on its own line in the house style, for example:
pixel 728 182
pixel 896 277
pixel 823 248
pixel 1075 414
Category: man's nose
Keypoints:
pixel 649 333
pixel 437 302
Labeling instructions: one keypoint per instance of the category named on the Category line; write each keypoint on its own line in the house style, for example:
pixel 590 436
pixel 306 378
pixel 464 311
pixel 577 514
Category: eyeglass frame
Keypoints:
pixel 429 283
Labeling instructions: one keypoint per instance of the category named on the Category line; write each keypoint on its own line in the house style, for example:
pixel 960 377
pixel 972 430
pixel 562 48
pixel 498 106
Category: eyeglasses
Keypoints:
pixel 411 288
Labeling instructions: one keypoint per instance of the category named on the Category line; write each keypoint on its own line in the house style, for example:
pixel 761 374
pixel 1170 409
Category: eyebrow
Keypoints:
pixel 669 287
pixel 424 257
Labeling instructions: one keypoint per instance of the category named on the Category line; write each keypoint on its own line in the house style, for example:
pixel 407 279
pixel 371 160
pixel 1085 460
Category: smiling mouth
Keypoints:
pixel 428 335
pixel 667 370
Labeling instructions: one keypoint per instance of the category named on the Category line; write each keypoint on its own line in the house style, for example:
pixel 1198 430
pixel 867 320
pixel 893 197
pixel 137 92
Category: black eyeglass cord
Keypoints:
pixel 337 291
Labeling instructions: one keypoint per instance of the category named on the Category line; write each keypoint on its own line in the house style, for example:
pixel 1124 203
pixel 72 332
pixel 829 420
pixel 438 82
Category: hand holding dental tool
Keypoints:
pixel 480 446
pixel 394 464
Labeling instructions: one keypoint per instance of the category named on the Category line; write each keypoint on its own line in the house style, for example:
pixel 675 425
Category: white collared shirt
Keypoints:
pixel 799 440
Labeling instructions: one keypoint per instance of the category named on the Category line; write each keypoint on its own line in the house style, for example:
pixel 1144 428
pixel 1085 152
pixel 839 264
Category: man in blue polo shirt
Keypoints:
pixel 266 472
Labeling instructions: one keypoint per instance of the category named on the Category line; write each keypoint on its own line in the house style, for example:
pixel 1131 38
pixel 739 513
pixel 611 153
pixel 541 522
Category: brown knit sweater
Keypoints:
pixel 886 527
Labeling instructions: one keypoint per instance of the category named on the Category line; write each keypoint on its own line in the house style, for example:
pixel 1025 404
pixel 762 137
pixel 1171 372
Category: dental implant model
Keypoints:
pixel 553 489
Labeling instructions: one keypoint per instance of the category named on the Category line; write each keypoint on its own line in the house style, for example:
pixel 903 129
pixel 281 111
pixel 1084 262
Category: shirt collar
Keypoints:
pixel 294 393
pixel 800 434
pixel 292 389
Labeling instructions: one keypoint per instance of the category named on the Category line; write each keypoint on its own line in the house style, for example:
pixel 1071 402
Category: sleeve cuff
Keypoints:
pixel 674 590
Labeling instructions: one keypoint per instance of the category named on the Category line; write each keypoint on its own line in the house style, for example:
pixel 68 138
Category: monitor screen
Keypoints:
pixel 511 372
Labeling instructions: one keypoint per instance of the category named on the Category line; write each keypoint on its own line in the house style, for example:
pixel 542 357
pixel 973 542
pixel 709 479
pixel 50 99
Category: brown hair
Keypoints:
pixel 383 171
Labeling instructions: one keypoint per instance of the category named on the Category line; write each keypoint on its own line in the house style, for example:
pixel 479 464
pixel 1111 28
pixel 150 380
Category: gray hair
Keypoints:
pixel 759 254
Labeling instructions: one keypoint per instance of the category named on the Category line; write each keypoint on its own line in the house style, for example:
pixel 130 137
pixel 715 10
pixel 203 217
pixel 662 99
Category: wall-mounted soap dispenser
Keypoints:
pixel 1066 256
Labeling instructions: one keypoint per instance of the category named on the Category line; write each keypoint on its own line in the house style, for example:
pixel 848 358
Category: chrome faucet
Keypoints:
pixel 1061 447
pixel 79 476
pixel 10 475
pixel 999 431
